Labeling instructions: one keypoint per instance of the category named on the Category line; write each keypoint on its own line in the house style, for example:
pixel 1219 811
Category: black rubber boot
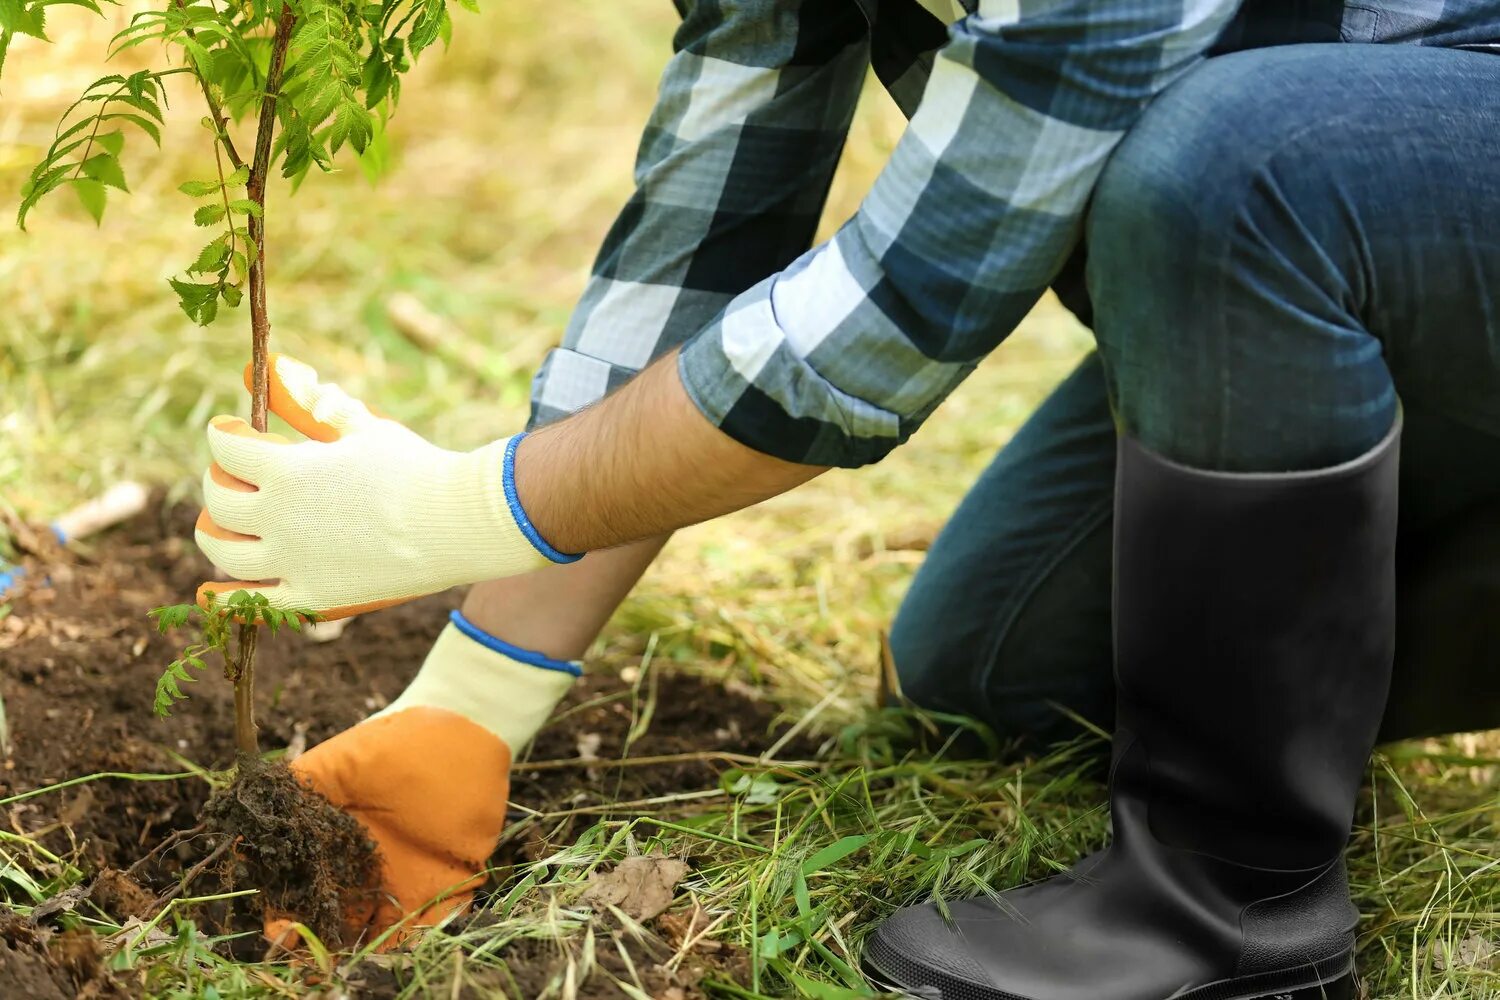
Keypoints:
pixel 1253 646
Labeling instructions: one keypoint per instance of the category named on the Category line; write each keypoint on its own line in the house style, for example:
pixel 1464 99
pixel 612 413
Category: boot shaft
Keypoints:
pixel 1254 639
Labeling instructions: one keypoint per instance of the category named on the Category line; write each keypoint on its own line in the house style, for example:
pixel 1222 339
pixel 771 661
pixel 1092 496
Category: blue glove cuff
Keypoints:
pixel 508 478
pixel 526 656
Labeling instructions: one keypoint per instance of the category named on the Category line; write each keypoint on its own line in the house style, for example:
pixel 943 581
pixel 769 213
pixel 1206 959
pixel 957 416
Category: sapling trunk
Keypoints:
pixel 328 88
pixel 245 733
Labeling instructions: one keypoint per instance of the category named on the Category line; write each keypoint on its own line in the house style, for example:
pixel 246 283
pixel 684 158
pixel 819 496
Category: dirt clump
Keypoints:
pixel 306 856
pixel 37 965
pixel 120 896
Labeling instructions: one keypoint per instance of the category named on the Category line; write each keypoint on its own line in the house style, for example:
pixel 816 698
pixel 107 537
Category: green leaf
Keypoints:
pixel 105 169
pixel 231 295
pixel 799 891
pixel 245 207
pixel 111 142
pixel 199 302
pixel 92 196
pixel 834 853
pixel 825 991
pixel 199 189
pixel 144 124
pixel 351 124
pixel 172 616
pixel 16 17
pixel 239 178
pixel 775 942
pixel 429 26
pixel 760 789
pixel 212 258
pixel 207 215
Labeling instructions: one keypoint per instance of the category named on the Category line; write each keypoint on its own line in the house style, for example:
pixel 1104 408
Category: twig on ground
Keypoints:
pixel 192 873
pixel 165 844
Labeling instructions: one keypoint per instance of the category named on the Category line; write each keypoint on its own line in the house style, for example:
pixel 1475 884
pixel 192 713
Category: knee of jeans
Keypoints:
pixel 928 669
pixel 1209 186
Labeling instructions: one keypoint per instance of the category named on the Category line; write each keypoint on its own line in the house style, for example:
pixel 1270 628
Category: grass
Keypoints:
pixel 511 154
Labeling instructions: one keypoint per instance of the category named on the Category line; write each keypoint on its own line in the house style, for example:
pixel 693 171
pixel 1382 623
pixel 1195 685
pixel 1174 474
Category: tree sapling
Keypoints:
pixel 299 83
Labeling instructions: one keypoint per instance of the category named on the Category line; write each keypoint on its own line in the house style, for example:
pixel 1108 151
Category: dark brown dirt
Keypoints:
pixel 78 665
pixel 306 857
pixel 37 965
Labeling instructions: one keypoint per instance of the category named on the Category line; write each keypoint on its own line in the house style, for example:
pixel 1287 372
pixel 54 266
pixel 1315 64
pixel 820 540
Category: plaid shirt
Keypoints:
pixel 834 356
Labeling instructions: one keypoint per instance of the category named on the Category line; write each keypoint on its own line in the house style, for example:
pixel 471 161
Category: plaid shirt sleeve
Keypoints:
pixel 840 357
pixel 731 178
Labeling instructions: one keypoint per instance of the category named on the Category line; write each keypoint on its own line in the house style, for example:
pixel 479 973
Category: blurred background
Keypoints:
pixel 508 159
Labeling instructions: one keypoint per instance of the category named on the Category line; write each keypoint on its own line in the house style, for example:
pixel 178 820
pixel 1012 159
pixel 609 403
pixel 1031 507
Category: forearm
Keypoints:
pixel 642 463
pixel 559 611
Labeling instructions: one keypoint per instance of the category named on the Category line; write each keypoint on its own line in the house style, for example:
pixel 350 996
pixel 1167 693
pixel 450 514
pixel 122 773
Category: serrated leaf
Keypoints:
pixel 199 302
pixel 245 207
pixel 142 123
pixel 17 18
pixel 193 293
pixel 212 258
pixel 105 169
pixel 207 215
pixel 92 196
pixel 240 177
pixel 112 143
pixel 428 28
pixel 199 189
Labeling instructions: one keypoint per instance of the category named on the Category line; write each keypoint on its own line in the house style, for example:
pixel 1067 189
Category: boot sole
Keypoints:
pixel 1309 982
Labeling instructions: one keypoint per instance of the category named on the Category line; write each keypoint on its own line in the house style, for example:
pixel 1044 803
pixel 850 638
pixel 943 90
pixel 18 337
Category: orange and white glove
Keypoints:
pixel 428 777
pixel 363 515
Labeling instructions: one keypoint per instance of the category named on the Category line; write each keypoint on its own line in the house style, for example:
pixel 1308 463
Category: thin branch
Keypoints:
pixel 260 343
pixel 246 737
pixel 193 872
pixel 94 132
pixel 224 194
pixel 256 191
pixel 221 123
pixel 163 845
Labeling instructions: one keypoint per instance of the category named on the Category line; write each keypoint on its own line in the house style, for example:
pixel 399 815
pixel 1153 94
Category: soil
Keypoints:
pixel 306 856
pixel 78 665
pixel 39 965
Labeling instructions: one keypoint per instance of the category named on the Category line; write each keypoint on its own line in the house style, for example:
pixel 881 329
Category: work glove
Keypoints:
pixel 428 777
pixel 363 515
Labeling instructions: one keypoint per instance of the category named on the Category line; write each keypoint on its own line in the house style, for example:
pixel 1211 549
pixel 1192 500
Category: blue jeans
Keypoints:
pixel 1288 241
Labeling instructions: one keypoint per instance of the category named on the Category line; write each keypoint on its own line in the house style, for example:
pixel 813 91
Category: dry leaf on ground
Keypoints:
pixel 641 887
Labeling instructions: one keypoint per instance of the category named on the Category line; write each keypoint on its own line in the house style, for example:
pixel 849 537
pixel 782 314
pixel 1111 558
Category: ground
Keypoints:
pixel 728 717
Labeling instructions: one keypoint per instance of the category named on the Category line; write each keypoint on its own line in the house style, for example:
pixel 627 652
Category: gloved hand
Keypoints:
pixel 364 515
pixel 428 777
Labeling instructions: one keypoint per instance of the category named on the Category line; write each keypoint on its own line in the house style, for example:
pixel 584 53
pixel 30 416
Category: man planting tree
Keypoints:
pixel 1287 236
